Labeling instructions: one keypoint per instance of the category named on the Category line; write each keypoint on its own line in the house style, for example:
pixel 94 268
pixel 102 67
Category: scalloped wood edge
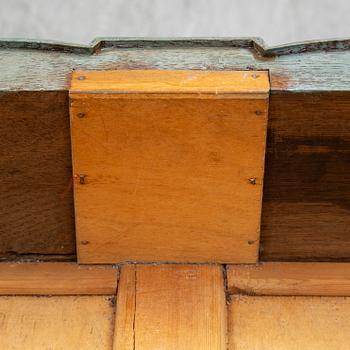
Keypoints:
pixel 255 43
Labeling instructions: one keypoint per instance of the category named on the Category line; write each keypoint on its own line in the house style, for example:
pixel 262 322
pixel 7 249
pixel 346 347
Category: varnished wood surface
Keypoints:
pixel 57 279
pixel 314 279
pixel 168 178
pixel 58 323
pixel 177 83
pixel 289 323
pixel 171 307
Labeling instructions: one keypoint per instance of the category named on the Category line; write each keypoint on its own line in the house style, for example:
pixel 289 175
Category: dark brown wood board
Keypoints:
pixel 36 204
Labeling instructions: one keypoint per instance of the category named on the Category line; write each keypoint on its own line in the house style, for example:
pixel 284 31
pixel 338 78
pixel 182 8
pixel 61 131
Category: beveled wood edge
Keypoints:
pixel 255 43
pixel 289 279
pixel 57 279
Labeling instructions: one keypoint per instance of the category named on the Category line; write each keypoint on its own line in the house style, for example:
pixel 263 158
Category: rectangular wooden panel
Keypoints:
pixel 169 165
pixel 289 323
pixel 57 323
pixel 36 210
pixel 56 279
pixel 306 209
pixel 323 279
pixel 171 307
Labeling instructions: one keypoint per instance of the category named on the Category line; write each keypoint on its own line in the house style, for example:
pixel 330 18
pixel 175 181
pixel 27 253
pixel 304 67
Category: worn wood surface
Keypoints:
pixel 175 307
pixel 57 279
pixel 315 279
pixel 303 70
pixel 289 323
pixel 306 203
pixel 59 323
pixel 168 177
pixel 36 211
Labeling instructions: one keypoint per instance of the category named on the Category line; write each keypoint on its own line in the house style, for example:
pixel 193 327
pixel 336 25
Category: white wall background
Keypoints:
pixel 276 21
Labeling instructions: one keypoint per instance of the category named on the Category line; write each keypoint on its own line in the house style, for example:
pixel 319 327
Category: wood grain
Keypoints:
pixel 315 279
pixel 305 215
pixel 56 279
pixel 60 323
pixel 178 82
pixel 170 179
pixel 124 334
pixel 176 307
pixel 36 211
pixel 306 206
pixel 289 323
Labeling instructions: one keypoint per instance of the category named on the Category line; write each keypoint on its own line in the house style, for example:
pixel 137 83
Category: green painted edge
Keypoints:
pixel 256 44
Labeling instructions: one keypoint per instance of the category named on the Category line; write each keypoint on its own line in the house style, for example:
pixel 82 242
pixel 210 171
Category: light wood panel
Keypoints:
pixel 176 82
pixel 171 307
pixel 56 279
pixel 324 279
pixel 57 323
pixel 172 168
pixel 289 323
pixel 126 304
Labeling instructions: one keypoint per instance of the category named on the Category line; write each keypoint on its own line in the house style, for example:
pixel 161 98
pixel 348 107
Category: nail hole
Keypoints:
pixel 252 180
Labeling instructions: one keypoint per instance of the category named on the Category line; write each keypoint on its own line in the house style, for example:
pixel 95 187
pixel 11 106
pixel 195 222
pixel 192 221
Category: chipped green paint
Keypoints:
pixel 301 67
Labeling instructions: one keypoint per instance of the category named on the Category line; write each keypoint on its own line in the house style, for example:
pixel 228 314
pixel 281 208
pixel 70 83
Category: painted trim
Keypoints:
pixel 256 44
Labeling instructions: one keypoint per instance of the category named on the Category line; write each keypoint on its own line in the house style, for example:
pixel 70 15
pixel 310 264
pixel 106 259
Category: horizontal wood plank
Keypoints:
pixel 171 307
pixel 56 279
pixel 65 322
pixel 289 323
pixel 318 279
pixel 192 82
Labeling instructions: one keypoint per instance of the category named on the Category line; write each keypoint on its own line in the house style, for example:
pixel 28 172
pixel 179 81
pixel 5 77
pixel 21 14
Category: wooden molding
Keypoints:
pixel 57 279
pixel 303 279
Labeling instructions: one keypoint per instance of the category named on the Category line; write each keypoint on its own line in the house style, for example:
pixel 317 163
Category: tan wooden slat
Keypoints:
pixel 57 323
pixel 57 279
pixel 289 323
pixel 175 307
pixel 324 279
pixel 172 82
pixel 126 303
pixel 168 179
